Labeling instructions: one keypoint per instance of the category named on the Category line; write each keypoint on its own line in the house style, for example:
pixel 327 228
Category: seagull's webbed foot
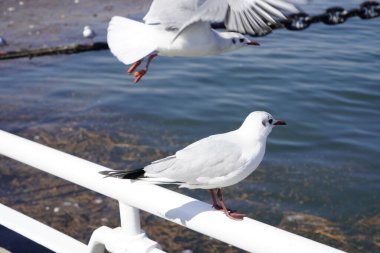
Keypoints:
pixel 217 207
pixel 233 214
pixel 139 74
pixel 220 208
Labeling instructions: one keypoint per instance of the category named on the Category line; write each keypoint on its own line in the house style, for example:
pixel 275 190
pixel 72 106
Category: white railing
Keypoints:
pixel 133 196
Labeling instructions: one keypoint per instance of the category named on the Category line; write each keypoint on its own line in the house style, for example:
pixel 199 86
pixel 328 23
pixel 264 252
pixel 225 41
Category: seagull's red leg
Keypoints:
pixel 151 57
pixel 214 203
pixel 134 66
pixel 231 214
pixel 139 74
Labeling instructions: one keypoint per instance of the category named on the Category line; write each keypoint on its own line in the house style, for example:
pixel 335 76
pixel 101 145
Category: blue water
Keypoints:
pixel 324 82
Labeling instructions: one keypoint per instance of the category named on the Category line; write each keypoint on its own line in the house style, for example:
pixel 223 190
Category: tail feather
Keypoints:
pixel 124 174
pixel 138 174
pixel 130 40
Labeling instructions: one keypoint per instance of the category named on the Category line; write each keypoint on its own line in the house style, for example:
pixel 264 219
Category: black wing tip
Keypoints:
pixel 123 174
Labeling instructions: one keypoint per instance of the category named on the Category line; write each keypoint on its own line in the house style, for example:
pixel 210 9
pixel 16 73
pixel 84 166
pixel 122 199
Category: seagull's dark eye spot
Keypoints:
pixel 264 123
pixel 270 121
pixel 241 40
pixel 233 41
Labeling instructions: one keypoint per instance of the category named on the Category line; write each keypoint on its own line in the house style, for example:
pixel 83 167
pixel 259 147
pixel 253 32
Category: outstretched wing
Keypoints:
pixel 171 13
pixel 252 17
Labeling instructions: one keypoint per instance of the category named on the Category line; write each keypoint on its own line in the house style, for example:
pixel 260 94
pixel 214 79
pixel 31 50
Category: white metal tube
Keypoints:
pixel 247 234
pixel 129 219
pixel 39 232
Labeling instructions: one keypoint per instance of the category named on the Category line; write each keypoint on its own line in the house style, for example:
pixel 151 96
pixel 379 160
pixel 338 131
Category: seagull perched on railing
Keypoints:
pixel 183 28
pixel 212 163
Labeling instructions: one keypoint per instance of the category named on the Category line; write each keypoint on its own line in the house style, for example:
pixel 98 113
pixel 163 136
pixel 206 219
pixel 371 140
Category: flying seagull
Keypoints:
pixel 183 28
pixel 211 163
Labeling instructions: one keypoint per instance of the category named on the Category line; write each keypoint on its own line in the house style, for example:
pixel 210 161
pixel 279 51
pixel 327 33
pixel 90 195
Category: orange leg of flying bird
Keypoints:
pixel 230 213
pixel 134 66
pixel 139 74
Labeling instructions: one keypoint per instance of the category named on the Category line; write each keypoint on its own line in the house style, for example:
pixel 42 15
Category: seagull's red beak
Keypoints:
pixel 279 123
pixel 253 43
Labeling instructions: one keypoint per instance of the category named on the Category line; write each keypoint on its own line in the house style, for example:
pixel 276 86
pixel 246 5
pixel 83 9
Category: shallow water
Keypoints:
pixel 324 81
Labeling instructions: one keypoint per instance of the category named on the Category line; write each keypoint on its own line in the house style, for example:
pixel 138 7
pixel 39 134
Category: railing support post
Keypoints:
pixel 129 219
pixel 129 238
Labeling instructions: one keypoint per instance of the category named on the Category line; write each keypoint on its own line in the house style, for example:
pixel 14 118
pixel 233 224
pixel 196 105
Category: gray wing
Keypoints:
pixel 208 158
pixel 171 13
pixel 252 17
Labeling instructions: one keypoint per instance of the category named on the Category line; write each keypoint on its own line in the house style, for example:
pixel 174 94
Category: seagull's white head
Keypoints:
pixel 259 124
pixel 235 41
